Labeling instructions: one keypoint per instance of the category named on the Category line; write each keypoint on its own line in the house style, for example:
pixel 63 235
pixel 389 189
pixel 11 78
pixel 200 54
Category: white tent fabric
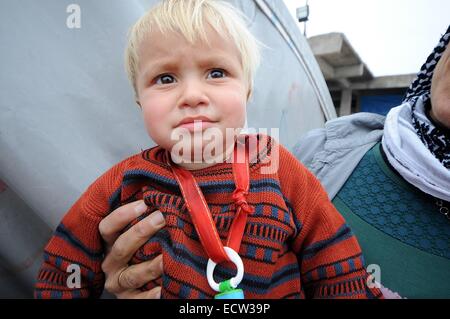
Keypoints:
pixel 67 112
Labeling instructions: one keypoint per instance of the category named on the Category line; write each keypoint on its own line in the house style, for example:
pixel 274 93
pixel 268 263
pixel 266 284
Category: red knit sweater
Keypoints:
pixel 295 244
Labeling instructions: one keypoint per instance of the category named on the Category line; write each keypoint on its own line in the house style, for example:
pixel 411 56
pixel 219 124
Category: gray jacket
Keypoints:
pixel 333 152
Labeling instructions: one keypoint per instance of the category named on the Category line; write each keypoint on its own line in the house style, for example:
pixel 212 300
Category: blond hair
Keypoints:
pixel 189 18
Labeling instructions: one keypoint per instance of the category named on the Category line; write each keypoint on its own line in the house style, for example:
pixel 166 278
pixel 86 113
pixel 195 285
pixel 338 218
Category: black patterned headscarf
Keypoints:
pixel 436 138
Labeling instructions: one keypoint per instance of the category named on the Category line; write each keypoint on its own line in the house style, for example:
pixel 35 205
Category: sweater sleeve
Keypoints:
pixel 73 256
pixel 330 258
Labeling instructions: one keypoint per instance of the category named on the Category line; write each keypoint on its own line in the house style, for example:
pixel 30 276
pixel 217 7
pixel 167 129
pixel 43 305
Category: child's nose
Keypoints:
pixel 194 95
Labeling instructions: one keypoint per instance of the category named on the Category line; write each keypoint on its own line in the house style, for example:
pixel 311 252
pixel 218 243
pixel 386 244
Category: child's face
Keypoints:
pixel 177 80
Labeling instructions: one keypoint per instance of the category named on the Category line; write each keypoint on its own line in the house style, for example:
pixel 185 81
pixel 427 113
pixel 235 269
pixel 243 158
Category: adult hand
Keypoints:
pixel 123 280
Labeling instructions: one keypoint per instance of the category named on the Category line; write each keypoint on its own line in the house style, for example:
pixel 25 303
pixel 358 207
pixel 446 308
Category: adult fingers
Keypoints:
pixel 111 226
pixel 129 242
pixel 135 276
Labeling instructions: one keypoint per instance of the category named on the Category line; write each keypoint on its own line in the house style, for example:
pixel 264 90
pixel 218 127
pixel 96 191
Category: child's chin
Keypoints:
pixel 201 152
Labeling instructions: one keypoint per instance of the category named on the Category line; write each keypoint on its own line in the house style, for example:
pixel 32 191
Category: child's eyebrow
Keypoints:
pixel 158 66
pixel 217 59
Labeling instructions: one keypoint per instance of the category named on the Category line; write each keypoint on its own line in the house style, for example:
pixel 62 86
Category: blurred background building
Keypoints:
pixel 352 86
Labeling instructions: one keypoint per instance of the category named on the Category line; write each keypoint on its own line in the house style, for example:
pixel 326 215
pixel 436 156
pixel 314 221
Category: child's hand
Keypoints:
pixel 123 280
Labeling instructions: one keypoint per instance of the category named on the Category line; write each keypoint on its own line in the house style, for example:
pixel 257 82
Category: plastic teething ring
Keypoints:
pixel 237 261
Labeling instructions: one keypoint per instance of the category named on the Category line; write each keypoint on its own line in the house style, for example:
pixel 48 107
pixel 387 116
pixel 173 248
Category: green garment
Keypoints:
pixel 398 227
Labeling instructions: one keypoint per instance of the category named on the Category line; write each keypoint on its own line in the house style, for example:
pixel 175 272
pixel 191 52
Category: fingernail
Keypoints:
pixel 157 219
pixel 161 265
pixel 158 293
pixel 141 208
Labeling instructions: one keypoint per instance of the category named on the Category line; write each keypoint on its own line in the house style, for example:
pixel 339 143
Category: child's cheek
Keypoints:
pixel 155 116
pixel 233 107
pixel 153 107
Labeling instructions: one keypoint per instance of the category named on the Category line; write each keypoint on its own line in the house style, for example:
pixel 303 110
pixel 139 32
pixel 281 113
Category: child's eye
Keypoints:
pixel 216 74
pixel 165 79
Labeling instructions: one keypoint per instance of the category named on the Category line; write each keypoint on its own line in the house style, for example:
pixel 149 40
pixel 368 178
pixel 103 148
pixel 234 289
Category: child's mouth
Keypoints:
pixel 198 123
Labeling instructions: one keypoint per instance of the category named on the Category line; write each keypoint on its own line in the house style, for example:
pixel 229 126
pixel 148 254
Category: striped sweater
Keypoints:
pixel 295 244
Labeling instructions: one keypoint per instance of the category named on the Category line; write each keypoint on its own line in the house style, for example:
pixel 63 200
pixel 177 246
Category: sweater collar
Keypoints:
pixel 258 156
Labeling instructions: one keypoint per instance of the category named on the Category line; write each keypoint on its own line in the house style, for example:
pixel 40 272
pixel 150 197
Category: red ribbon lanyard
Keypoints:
pixel 199 210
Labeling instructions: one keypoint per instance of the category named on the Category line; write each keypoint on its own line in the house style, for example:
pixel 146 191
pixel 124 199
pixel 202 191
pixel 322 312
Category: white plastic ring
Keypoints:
pixel 237 261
